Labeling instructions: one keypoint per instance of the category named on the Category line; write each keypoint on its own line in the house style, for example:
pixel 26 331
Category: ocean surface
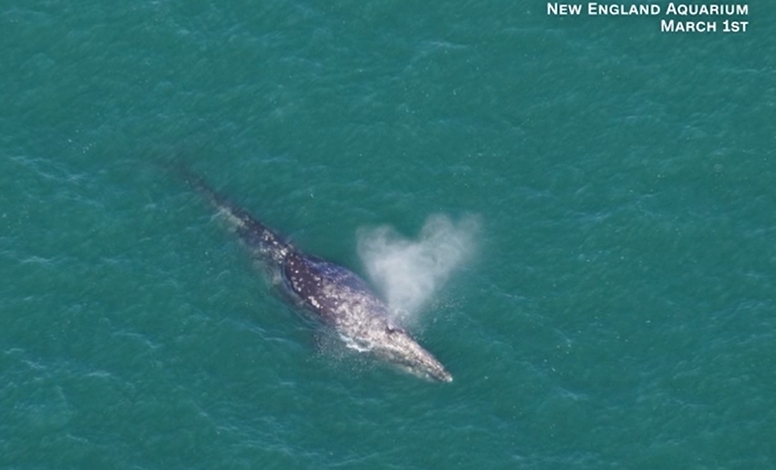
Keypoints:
pixel 612 186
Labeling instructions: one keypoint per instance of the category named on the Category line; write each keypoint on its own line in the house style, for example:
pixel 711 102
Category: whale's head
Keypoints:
pixel 396 346
pixel 342 300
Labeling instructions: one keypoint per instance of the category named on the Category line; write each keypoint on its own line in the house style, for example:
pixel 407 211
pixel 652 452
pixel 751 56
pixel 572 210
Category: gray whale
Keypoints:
pixel 331 294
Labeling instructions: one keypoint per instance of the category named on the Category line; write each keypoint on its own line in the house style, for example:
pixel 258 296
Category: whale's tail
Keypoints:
pixel 199 185
pixel 262 241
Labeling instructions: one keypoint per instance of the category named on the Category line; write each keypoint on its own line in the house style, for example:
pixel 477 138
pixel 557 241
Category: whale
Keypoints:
pixel 332 295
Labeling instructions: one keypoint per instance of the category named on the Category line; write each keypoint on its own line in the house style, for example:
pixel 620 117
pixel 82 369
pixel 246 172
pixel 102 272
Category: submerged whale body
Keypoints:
pixel 330 293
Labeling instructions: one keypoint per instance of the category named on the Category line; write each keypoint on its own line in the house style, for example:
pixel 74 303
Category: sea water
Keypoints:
pixel 605 213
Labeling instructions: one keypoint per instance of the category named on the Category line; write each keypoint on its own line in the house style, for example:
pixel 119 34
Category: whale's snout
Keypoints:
pixel 399 348
pixel 445 376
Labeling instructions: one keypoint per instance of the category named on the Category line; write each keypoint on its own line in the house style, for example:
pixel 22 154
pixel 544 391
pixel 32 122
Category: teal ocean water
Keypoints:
pixel 617 309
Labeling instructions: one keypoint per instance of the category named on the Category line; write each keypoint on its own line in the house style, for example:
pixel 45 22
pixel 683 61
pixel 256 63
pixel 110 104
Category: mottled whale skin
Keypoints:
pixel 332 294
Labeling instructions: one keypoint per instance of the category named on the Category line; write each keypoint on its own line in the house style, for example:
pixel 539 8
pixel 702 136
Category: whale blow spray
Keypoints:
pixel 409 272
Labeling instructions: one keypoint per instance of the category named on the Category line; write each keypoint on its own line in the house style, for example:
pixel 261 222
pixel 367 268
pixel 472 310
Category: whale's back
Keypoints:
pixel 329 290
